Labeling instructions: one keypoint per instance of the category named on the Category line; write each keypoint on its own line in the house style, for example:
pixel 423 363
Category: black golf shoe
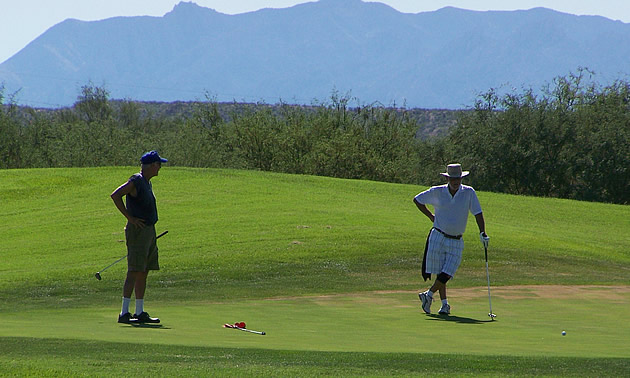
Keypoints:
pixel 145 318
pixel 126 318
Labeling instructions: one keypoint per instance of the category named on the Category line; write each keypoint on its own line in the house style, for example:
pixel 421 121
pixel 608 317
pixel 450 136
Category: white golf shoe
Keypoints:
pixel 445 309
pixel 426 301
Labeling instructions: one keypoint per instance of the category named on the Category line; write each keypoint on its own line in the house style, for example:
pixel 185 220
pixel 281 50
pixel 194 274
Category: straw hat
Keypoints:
pixel 455 171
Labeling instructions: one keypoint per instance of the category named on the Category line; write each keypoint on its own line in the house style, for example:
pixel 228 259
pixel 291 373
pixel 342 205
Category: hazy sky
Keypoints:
pixel 21 21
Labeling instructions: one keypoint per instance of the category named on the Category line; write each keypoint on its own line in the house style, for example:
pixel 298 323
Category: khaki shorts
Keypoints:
pixel 142 250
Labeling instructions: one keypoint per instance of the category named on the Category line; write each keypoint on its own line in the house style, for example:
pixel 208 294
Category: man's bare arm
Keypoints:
pixel 481 223
pixel 423 208
pixel 118 194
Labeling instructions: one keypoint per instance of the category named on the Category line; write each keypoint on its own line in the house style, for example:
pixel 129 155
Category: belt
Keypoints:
pixel 457 237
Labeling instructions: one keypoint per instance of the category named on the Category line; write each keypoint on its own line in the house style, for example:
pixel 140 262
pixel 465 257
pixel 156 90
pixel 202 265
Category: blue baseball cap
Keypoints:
pixel 152 157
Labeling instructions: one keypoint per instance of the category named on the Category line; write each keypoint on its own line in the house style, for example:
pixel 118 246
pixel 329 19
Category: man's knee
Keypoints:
pixel 443 278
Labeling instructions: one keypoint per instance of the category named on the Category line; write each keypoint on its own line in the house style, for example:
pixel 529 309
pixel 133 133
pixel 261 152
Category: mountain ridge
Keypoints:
pixel 301 54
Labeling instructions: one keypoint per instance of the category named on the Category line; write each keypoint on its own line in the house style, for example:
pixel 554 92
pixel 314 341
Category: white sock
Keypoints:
pixel 430 294
pixel 444 302
pixel 139 306
pixel 125 306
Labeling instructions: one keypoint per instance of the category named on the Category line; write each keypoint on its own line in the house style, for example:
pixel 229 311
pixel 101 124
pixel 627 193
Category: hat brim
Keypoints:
pixel 464 174
pixel 160 160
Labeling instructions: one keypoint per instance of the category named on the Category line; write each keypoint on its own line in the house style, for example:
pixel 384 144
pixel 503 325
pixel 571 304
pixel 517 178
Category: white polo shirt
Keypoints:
pixel 451 212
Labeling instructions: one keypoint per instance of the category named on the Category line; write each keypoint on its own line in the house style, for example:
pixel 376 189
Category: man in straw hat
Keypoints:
pixel 443 249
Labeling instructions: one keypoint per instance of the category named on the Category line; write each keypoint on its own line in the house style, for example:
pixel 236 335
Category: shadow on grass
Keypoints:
pixel 148 325
pixel 457 319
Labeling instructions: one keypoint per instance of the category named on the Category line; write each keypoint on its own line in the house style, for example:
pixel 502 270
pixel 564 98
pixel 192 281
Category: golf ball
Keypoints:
pixel 564 333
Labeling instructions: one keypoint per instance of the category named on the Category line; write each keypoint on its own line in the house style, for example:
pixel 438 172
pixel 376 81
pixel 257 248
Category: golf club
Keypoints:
pixel 235 326
pixel 490 314
pixel 98 274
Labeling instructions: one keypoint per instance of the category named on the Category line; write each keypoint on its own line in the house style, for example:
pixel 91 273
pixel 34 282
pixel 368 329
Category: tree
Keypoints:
pixel 93 104
pixel 569 142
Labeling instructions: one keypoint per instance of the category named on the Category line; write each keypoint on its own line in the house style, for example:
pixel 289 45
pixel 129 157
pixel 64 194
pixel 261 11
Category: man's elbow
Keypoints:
pixel 115 195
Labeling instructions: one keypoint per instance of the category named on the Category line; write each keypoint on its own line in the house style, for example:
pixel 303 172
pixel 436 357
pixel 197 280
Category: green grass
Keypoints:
pixel 526 326
pixel 52 357
pixel 328 267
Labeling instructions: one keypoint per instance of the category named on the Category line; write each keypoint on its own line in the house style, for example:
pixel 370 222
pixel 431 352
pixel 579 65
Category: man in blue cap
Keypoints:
pixel 142 252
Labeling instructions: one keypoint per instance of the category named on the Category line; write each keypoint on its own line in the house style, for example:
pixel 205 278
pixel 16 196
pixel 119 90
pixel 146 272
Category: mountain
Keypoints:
pixel 301 54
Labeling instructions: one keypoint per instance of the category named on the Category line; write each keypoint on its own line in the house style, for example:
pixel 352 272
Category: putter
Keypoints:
pixel 98 274
pixel 490 314
pixel 243 329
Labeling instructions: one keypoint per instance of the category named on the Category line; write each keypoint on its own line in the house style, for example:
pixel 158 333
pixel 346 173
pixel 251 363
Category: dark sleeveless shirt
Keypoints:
pixel 143 205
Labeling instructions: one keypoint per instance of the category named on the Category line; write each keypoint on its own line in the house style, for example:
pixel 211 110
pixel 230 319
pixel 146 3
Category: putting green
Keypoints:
pixel 529 323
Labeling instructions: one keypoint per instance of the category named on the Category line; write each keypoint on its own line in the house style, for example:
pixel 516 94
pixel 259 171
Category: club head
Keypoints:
pixel 97 275
pixel 492 316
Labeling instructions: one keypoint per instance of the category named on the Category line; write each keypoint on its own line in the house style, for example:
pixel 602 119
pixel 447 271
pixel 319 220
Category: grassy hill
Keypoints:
pixel 322 255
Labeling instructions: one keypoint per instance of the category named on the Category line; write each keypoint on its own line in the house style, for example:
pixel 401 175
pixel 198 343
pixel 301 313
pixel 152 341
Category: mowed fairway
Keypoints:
pixel 328 268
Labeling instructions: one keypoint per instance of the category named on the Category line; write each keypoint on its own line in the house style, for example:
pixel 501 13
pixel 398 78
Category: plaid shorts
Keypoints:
pixel 444 254
pixel 142 251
